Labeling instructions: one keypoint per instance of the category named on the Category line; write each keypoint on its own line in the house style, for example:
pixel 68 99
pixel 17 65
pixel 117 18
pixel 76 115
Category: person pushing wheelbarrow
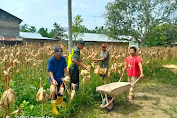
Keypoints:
pixel 134 67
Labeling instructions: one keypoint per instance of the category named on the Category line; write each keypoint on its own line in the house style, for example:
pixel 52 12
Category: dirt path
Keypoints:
pixel 151 100
pixel 171 67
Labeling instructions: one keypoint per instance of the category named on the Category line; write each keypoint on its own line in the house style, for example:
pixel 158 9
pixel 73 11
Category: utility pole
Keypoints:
pixel 70 42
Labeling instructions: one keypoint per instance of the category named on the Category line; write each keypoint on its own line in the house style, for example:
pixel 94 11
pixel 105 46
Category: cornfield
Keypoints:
pixel 24 67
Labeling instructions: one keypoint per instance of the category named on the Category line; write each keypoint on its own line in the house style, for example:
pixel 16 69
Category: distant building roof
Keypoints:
pixel 20 20
pixel 26 35
pixel 10 38
pixel 92 37
pixel 30 35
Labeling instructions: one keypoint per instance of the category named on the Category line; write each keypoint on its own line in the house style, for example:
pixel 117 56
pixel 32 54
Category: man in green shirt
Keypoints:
pixel 104 59
pixel 76 62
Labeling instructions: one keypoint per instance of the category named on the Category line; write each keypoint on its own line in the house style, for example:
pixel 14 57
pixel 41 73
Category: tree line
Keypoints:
pixel 149 22
pixel 58 31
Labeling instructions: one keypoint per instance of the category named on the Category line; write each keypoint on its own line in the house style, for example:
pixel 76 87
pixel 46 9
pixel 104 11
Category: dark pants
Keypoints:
pixel 74 74
pixel 104 76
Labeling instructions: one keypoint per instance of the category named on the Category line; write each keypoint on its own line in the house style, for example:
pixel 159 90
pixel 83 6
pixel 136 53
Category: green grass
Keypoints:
pixel 155 74
pixel 86 103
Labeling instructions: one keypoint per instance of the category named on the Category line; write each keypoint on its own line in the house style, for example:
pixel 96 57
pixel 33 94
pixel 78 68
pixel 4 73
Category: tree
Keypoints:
pixel 24 28
pixel 27 28
pixel 54 33
pixel 57 31
pixel 162 35
pixel 58 27
pixel 43 32
pixel 100 30
pixel 171 33
pixel 32 29
pixel 137 18
pixel 85 30
pixel 77 27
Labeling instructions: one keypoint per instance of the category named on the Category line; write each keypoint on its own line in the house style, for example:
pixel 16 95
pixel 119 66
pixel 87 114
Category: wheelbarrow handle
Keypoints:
pixel 133 82
pixel 120 79
pixel 136 81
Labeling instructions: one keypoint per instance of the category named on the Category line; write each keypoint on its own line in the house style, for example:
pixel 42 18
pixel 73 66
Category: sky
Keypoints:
pixel 43 13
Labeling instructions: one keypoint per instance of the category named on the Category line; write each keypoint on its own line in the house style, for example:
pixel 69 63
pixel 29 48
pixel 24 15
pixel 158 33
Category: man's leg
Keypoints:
pixel 59 96
pixel 54 102
pixel 131 93
pixel 74 74
pixel 105 77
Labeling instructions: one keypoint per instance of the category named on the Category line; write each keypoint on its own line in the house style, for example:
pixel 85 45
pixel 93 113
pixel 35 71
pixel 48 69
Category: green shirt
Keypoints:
pixel 105 63
pixel 76 56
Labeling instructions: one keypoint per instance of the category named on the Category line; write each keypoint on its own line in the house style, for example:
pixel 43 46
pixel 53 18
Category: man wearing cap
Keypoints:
pixel 75 63
pixel 103 59
pixel 57 68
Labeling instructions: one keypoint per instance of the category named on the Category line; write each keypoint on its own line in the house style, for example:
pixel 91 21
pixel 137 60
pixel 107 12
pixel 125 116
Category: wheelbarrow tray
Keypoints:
pixel 114 89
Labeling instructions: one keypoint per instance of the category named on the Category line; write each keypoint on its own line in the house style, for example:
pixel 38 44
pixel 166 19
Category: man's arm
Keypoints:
pixel 79 64
pixel 141 70
pixel 102 59
pixel 75 58
pixel 124 69
pixel 52 78
pixel 65 71
pixel 50 70
pixel 65 67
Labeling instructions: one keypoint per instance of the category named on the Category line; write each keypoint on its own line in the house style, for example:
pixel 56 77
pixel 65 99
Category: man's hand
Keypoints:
pixel 66 71
pixel 54 82
pixel 141 70
pixel 95 61
pixel 142 76
pixel 122 76
pixel 84 67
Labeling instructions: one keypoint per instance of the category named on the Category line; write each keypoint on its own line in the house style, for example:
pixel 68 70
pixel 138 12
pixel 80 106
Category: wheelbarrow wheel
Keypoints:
pixel 110 107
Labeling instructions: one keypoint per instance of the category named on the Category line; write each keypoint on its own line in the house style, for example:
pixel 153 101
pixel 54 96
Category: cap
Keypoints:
pixel 81 42
pixel 104 45
pixel 58 50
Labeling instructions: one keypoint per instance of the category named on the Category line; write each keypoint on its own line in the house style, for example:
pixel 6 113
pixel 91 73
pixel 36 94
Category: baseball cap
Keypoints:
pixel 58 50
pixel 81 42
pixel 104 45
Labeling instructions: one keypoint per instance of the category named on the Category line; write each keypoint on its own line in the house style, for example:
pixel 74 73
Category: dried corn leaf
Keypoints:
pixel 41 95
pixel 8 97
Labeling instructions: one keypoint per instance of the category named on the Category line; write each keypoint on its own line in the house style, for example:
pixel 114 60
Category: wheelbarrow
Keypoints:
pixel 111 91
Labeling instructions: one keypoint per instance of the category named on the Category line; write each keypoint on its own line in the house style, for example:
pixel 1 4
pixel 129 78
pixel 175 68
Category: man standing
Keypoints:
pixel 57 68
pixel 133 64
pixel 74 61
pixel 104 60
